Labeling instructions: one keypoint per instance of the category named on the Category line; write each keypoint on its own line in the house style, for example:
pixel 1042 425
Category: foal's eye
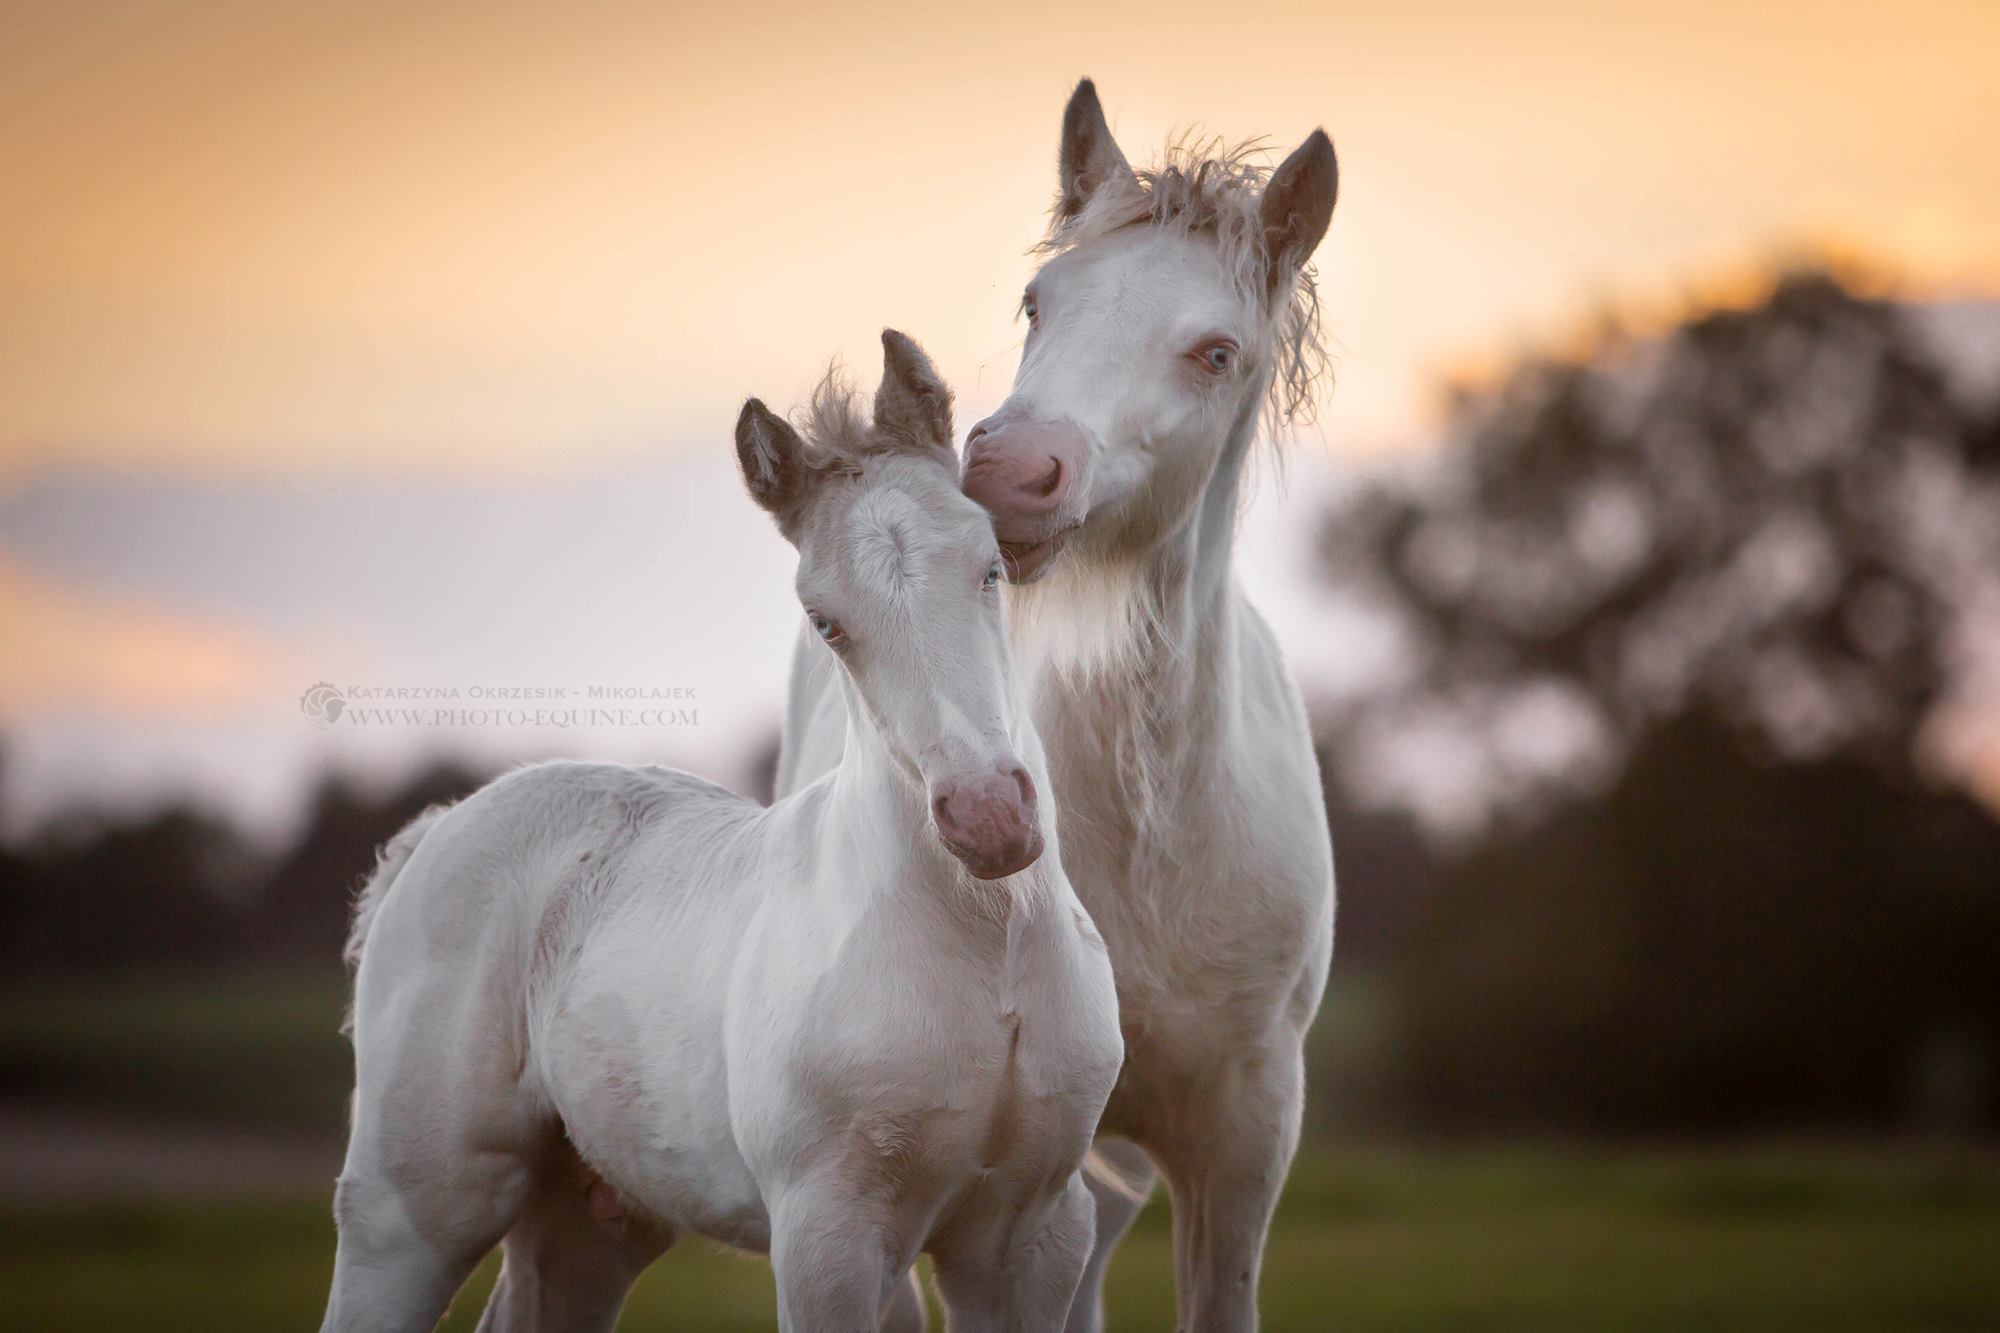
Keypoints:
pixel 826 629
pixel 1217 357
pixel 1029 308
pixel 992 577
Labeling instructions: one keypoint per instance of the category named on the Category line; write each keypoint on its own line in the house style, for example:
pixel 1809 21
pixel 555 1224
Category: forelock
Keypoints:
pixel 835 427
pixel 1210 187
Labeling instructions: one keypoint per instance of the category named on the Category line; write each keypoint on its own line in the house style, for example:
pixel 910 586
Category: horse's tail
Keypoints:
pixel 1098 1166
pixel 389 863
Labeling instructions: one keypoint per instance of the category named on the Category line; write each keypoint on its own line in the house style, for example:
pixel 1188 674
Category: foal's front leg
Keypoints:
pixel 1029 1287
pixel 1225 1163
pixel 834 1267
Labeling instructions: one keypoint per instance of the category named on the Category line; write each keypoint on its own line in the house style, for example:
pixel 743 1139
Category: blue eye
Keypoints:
pixel 1029 308
pixel 827 630
pixel 1217 358
pixel 992 577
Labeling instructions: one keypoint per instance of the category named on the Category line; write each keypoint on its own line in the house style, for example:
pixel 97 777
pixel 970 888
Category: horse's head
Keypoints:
pixel 899 574
pixel 1171 299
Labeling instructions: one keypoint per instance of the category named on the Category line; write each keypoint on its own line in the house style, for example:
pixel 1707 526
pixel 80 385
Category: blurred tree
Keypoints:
pixel 181 889
pixel 92 897
pixel 301 915
pixel 1686 624
pixel 1719 942
pixel 1778 517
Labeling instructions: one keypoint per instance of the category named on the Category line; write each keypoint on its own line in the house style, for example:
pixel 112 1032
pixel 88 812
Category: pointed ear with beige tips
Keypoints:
pixel 913 406
pixel 777 469
pixel 1089 159
pixel 1297 206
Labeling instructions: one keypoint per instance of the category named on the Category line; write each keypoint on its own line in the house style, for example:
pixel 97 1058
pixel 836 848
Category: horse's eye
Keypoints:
pixel 826 629
pixel 1029 308
pixel 992 577
pixel 1216 357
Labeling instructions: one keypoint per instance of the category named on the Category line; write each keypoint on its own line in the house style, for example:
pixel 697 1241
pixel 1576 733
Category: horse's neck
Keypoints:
pixel 877 812
pixel 873 805
pixel 1158 628
pixel 1136 670
pixel 1213 531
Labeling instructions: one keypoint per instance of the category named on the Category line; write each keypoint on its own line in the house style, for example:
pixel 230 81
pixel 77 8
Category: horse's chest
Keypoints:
pixel 1043 1094
pixel 1007 1089
pixel 1208 942
pixel 912 1126
pixel 1177 912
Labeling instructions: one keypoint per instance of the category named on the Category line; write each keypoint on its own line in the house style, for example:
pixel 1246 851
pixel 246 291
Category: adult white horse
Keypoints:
pixel 598 1005
pixel 1174 312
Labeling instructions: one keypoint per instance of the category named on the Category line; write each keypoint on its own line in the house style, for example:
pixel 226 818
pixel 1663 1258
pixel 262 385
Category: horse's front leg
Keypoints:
pixel 835 1269
pixel 1028 1286
pixel 1225 1160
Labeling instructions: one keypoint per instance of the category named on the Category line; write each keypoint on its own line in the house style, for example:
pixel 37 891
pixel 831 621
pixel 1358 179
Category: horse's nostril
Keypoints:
pixel 1026 786
pixel 978 433
pixel 1047 484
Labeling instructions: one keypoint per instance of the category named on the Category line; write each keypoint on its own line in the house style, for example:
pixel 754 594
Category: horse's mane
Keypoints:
pixel 1209 186
pixel 836 428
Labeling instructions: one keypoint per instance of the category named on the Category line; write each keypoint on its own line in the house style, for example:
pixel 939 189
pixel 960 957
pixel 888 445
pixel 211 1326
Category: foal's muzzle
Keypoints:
pixel 988 821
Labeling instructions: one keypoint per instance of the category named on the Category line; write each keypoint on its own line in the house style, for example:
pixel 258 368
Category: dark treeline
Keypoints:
pixel 181 891
pixel 1742 569
pixel 1693 613
pixel 1717 943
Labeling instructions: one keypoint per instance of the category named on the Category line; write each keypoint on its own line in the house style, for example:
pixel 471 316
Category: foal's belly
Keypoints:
pixel 684 1189
pixel 649 1114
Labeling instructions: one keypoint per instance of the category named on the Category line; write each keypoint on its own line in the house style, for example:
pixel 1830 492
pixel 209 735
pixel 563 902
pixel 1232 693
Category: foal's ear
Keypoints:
pixel 1297 206
pixel 1090 159
pixel 913 406
pixel 775 466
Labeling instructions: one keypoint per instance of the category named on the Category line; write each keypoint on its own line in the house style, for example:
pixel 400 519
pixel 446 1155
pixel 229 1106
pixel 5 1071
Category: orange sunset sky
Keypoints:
pixel 259 261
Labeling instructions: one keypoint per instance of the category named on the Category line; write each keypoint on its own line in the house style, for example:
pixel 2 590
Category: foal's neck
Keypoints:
pixel 880 808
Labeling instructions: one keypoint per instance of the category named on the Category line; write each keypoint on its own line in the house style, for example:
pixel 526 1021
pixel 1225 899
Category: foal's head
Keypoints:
pixel 898 572
pixel 1176 301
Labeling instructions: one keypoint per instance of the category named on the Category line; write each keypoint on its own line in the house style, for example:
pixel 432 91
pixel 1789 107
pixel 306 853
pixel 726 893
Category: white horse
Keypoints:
pixel 597 1006
pixel 1174 312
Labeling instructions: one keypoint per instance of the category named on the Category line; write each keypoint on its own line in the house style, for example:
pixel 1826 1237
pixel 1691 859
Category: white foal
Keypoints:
pixel 1176 308
pixel 597 1006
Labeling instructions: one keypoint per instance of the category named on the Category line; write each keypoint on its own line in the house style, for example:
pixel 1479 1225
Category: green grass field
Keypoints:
pixel 249 1048
pixel 1821 1238
pixel 1806 1239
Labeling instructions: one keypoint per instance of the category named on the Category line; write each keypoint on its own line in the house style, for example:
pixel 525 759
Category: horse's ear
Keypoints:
pixel 913 406
pixel 1090 159
pixel 1297 206
pixel 775 467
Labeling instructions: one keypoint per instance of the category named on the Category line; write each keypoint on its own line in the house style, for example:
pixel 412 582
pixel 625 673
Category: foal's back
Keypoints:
pixel 467 935
pixel 518 871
